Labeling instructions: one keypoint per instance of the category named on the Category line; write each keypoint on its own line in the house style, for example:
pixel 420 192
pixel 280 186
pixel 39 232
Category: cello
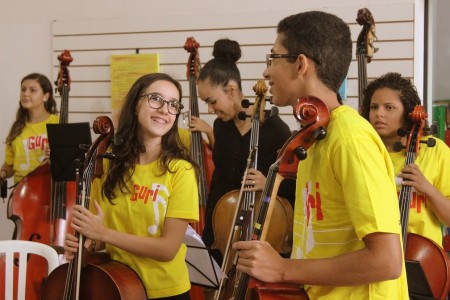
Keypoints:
pixel 432 258
pixel 38 206
pixel 200 151
pixel 364 49
pixel 95 276
pixel 313 116
pixel 234 214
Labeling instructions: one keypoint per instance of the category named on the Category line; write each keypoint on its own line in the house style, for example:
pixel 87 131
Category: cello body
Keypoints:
pixel 273 291
pixel 101 278
pixel 434 262
pixel 279 233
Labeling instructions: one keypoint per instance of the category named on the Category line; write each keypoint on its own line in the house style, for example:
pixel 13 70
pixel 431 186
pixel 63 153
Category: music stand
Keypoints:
pixel 65 141
pixel 418 285
pixel 203 269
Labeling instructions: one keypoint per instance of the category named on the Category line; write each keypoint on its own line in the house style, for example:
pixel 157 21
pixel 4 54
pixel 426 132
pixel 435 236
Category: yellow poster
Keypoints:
pixel 125 70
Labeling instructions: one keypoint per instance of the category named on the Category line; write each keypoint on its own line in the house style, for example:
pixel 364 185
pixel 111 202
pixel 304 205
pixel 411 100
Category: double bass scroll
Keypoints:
pixel 365 49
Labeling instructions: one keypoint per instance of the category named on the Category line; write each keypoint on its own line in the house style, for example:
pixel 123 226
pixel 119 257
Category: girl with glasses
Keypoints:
pixel 141 207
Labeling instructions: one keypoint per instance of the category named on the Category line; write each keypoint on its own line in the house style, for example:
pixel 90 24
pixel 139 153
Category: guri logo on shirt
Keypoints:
pixel 416 201
pixel 313 201
pixel 144 193
pixel 37 142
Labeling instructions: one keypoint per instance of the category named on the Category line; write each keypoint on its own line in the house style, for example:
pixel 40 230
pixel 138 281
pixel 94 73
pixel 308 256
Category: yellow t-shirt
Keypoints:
pixel 27 151
pixel 185 136
pixel 143 213
pixel 345 191
pixel 434 162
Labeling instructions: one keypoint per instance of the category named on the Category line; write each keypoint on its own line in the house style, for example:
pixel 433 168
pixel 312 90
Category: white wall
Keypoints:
pixel 26 34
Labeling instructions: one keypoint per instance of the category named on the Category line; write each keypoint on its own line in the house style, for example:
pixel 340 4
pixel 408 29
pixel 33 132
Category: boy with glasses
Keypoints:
pixel 346 242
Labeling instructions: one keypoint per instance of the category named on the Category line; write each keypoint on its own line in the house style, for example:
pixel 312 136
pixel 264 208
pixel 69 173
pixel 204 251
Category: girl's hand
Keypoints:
pixel 88 224
pixel 256 181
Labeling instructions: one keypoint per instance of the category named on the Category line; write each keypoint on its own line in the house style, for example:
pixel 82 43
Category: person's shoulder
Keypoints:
pixel 53 119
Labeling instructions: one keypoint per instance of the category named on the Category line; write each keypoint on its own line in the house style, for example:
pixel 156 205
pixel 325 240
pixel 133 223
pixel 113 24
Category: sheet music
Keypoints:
pixel 203 269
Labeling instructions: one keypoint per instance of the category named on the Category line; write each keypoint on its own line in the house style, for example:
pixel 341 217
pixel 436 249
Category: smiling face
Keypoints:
pixel 282 77
pixel 386 113
pixel 221 101
pixel 155 123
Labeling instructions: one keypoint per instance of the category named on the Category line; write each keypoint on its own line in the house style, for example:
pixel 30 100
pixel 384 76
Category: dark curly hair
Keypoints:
pixel 394 81
pixel 22 113
pixel 222 68
pixel 127 152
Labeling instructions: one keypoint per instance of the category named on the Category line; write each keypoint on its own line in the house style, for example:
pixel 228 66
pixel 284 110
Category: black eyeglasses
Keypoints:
pixel 156 101
pixel 271 56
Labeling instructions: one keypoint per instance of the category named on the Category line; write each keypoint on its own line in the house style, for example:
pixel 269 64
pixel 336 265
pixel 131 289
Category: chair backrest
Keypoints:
pixel 9 248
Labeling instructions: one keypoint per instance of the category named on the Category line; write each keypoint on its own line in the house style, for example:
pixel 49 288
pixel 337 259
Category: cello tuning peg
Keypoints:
pixel 398 146
pixel 242 115
pixel 269 98
pixel 300 152
pixel 431 142
pixel 320 133
pixel 402 132
pixel 245 103
pixel 84 147
pixel 433 130
pixel 109 155
pixel 274 111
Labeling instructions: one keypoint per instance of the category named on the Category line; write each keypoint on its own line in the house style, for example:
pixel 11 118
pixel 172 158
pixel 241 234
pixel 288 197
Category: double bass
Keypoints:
pixel 313 116
pixel 431 257
pixel 200 151
pixel 365 49
pixel 93 276
pixel 38 205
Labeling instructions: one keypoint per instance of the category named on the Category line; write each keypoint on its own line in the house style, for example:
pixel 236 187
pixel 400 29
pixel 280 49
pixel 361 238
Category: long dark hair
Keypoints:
pixel 127 152
pixel 22 114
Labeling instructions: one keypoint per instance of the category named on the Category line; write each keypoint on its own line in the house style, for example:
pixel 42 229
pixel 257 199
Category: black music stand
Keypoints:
pixel 65 150
pixel 418 285
pixel 203 269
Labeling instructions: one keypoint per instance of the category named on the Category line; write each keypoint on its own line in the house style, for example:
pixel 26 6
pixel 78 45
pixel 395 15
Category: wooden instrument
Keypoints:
pixel 432 258
pixel 364 49
pixel 200 151
pixel 234 213
pixel 39 206
pixel 95 277
pixel 313 116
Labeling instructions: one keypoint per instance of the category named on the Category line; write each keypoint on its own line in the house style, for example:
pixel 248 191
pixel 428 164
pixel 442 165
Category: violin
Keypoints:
pixel 313 116
pixel 234 213
pixel 364 48
pixel 95 276
pixel 432 258
pixel 40 206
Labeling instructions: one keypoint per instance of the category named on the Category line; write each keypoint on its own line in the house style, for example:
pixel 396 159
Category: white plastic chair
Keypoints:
pixel 8 248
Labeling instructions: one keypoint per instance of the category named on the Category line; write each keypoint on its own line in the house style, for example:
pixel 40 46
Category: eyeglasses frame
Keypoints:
pixel 169 102
pixel 271 56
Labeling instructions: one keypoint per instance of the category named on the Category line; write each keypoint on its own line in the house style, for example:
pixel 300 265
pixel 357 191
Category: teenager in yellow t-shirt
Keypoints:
pixel 141 207
pixel 388 101
pixel 346 242
pixel 27 142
